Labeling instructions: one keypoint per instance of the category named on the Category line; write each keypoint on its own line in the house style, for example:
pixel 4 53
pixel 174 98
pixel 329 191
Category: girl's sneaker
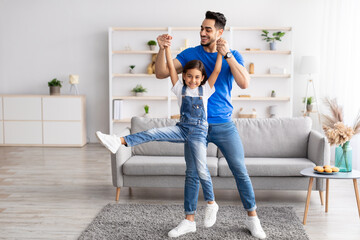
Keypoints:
pixel 185 226
pixel 111 142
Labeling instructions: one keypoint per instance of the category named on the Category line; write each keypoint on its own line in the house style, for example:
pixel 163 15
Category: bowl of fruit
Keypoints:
pixel 326 169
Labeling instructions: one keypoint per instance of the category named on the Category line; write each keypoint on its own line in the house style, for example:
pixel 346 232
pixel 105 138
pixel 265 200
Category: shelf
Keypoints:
pixel 141 52
pixel 156 98
pixel 281 99
pixel 286 52
pixel 270 75
pixel 198 29
pixel 124 120
pixel 133 75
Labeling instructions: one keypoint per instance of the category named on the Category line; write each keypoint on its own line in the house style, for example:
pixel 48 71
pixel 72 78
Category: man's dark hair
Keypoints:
pixel 220 20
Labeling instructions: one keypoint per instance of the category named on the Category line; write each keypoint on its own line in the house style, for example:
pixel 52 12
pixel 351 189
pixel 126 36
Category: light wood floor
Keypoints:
pixel 54 193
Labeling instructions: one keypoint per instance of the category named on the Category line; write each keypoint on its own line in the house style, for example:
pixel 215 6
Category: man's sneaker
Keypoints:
pixel 185 226
pixel 111 142
pixel 210 214
pixel 254 226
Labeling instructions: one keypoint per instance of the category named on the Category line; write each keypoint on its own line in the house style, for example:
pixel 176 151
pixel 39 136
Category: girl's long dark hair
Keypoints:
pixel 196 64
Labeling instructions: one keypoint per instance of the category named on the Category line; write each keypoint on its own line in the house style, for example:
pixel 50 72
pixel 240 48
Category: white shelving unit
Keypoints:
pixel 160 98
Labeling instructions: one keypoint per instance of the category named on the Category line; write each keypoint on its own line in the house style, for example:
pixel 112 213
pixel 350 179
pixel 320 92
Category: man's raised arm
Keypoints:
pixel 161 68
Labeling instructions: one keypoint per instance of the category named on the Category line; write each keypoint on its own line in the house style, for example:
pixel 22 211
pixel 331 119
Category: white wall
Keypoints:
pixel 42 39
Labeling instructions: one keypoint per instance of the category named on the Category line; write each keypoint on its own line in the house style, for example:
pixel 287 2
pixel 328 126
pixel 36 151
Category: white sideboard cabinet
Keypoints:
pixel 42 120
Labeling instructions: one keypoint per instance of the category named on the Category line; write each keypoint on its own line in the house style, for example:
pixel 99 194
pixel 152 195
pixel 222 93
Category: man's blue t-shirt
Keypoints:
pixel 219 104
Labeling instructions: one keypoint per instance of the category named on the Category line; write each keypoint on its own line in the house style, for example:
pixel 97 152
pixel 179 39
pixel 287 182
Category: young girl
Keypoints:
pixel 192 95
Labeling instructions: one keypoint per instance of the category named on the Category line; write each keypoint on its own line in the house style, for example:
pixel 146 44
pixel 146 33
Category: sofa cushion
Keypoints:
pixel 269 167
pixel 274 137
pixel 162 165
pixel 160 148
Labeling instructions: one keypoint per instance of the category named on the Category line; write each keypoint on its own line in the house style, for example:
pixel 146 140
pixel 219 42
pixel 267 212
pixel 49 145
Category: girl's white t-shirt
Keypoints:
pixel 207 92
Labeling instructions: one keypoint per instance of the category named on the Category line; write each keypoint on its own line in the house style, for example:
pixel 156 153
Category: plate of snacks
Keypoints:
pixel 326 169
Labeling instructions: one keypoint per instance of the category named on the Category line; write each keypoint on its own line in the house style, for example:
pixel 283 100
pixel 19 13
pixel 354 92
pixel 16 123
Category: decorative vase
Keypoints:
pixel 343 157
pixel 146 115
pixel 54 90
pixel 273 46
pixel 139 94
pixel 152 47
pixel 273 94
pixel 309 107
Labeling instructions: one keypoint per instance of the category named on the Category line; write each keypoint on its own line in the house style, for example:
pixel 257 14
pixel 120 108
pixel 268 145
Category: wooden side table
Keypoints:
pixel 309 172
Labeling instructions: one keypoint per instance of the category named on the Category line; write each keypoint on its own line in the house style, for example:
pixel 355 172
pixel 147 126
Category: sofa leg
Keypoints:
pixel 117 194
pixel 321 193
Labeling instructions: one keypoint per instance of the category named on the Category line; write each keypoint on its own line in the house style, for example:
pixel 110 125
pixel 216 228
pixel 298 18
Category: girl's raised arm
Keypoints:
pixel 214 75
pixel 173 74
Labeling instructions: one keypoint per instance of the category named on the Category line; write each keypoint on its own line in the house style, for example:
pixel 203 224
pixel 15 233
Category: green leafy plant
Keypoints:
pixel 151 43
pixel 132 66
pixel 138 89
pixel 146 108
pixel 276 36
pixel 54 83
pixel 309 101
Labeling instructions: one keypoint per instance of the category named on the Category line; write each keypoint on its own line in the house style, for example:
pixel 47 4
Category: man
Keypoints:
pixel 222 131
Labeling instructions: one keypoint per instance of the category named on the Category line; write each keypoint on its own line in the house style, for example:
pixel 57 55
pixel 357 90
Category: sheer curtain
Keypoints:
pixel 340 61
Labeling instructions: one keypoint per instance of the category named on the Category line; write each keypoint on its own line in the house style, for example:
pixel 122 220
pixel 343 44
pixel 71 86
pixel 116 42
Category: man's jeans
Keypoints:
pixel 194 136
pixel 226 137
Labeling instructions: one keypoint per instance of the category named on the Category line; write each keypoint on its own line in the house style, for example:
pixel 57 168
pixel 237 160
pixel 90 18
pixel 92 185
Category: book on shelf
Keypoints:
pixel 118 107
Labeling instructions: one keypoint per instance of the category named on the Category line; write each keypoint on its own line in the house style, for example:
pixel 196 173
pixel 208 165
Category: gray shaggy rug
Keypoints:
pixel 153 221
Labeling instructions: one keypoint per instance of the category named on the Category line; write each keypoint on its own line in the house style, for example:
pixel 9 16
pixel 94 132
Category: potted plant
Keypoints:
pixel 139 90
pixel 273 93
pixel 309 102
pixel 146 108
pixel 276 37
pixel 55 86
pixel 152 45
pixel 131 68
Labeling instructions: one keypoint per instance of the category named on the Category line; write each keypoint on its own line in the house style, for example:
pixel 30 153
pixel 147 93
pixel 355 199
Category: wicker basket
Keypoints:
pixel 248 115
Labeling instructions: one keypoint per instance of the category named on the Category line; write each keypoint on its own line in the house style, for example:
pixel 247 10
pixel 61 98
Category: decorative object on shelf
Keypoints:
pixel 252 49
pixel 309 66
pixel 152 44
pixel 146 114
pixel 339 134
pixel 74 81
pixel 186 45
pixel 151 66
pixel 131 68
pixel 251 68
pixel 277 70
pixel 276 37
pixel 55 86
pixel 309 103
pixel 247 115
pixel 244 96
pixel 273 93
pixel 118 109
pixel 273 111
pixel 139 90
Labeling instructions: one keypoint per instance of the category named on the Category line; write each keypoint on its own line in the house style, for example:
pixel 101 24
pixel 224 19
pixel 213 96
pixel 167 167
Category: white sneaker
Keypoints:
pixel 210 214
pixel 185 226
pixel 111 142
pixel 254 226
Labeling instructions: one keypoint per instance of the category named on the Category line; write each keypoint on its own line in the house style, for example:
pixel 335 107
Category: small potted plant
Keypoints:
pixel 273 93
pixel 309 103
pixel 152 45
pixel 55 86
pixel 131 68
pixel 276 37
pixel 146 108
pixel 139 90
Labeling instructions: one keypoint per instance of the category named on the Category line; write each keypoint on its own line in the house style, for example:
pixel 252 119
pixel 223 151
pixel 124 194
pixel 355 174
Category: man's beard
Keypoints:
pixel 207 44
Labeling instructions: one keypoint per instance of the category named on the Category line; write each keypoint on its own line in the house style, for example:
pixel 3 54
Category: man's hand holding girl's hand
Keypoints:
pixel 222 46
pixel 164 40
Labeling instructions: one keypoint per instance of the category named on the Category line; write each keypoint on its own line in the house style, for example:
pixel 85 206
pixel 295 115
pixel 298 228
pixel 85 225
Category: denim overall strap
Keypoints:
pixel 192 108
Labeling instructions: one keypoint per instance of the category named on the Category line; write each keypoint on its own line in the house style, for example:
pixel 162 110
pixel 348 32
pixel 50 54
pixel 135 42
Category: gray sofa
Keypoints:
pixel 276 150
